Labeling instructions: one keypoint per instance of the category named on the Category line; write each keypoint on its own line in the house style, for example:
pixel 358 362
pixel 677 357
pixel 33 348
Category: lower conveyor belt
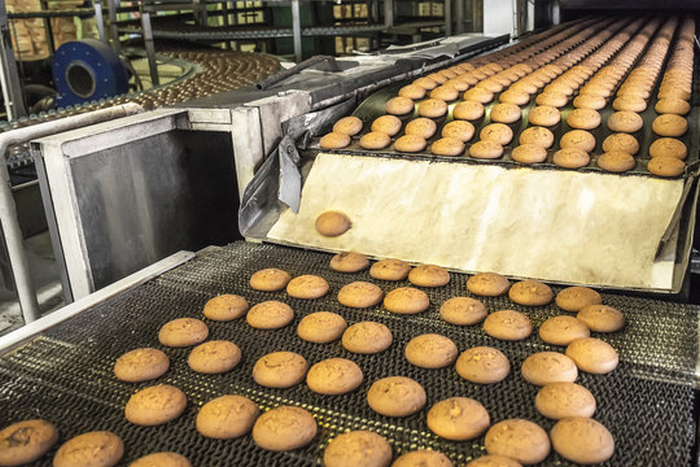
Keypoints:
pixel 65 375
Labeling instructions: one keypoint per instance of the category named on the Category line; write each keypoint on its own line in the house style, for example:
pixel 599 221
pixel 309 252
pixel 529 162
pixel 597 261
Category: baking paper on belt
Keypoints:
pixel 554 225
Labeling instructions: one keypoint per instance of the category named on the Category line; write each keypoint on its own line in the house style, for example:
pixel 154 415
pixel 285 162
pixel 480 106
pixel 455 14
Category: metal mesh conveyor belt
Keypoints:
pixel 65 375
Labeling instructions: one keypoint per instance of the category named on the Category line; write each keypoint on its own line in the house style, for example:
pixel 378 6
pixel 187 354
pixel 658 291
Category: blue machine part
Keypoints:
pixel 88 70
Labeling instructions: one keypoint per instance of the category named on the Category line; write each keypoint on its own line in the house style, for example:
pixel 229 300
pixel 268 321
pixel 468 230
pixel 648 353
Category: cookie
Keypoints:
pixel 666 166
pixel 544 115
pixel 514 96
pixel 321 327
pixel 583 119
pixel 458 129
pixel 155 405
pixel 92 449
pixel 413 91
pixel 458 419
pixel 571 158
pixel 531 293
pixel 463 311
pixel 349 262
pixel 549 367
pixel 561 400
pixel 480 95
pixel 367 337
pixel 390 270
pixel 360 295
pixel 468 110
pixel 601 318
pixel 375 140
pixel 284 428
pixel 672 106
pixel 423 458
pixel 432 108
pixel 280 370
pixel 348 126
pixel 428 275
pixel 529 154
pixel 616 161
pixel 563 330
pixel 214 357
pixel 444 93
pixel 227 417
pixel 507 325
pixel 621 142
pixel 447 147
pixel 400 106
pixel 387 124
pixel 497 132
pixel 589 101
pixel 630 103
pixel 483 365
pixel 334 376
pixel 426 83
pixel 141 365
pixel 582 440
pixel 396 396
pixel 578 139
pixel 430 351
pixel 162 459
pixel 518 439
pixel 307 287
pixel 406 301
pixel 494 461
pixel 505 113
pixel 537 135
pixel 574 299
pixel 183 332
pixel 670 147
pixel 26 441
pixel 334 140
pixel 270 315
pixel 593 355
pixel 410 143
pixel 486 149
pixel 229 307
pixel 552 99
pixel 423 127
pixel 625 121
pixel 357 448
pixel 332 223
pixel 488 284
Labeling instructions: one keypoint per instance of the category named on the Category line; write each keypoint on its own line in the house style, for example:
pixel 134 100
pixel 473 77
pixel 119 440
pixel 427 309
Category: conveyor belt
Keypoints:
pixel 66 375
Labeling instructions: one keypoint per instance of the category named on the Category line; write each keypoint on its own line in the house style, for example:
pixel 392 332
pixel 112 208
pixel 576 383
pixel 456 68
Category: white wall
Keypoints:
pixel 498 16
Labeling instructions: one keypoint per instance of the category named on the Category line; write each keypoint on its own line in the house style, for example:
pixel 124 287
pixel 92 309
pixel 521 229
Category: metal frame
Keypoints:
pixel 9 78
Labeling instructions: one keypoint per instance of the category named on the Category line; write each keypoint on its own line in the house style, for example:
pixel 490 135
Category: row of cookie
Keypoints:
pixel 678 78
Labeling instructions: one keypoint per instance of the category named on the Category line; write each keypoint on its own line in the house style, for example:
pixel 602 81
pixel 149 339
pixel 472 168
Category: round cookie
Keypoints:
pixel 423 127
pixel 388 124
pixel 307 287
pixel 458 129
pixel 544 115
pixel 488 284
pixel 518 439
pixel 430 351
pixel 400 106
pixel 463 311
pixel 390 270
pixel 413 91
pixel 582 440
pixel 360 295
pixel 270 315
pixel 574 299
pixel 486 149
pixel 514 96
pixel 494 461
pixel 447 147
pixel 531 293
pixel 183 332
pixel 332 223
pixel 26 441
pixel 423 458
pixel 630 103
pixel 406 301
pixel 358 448
pixel 228 307
pixel 666 166
pixel 266 280
pixel 432 108
pixel 561 400
pixel 458 419
pixel 155 405
pixel 410 144
pixel 227 417
pixel 426 83
pixel 350 126
pixel 537 135
pixel 428 275
pixel 162 459
pixel 92 449
pixel 584 119
pixel 334 140
pixel 672 106
pixel 589 101
pixel 321 327
pixel 601 318
pixel 280 370
pixel 141 365
pixel 507 325
pixel 284 428
pixel 571 158
pixel 578 139
pixel 444 93
pixel 621 142
pixel 480 95
pixel 616 161
pixel 396 396
pixel 529 154
pixel 497 132
pixel 625 121
pixel 593 355
pixel 468 110
pixel 214 357
pixel 505 113
pixel 349 262
pixel 334 376
pixel 549 367
pixel 483 365
pixel 668 147
pixel 375 140
pixel 367 337
pixel 563 330
pixel 552 99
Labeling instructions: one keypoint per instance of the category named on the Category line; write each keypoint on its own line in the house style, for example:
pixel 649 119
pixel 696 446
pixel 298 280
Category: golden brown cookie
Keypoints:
pixel 518 439
pixel 576 298
pixel 582 440
pixel 410 143
pixel 399 106
pixel 616 161
pixel 350 126
pixel 267 280
pixel 26 441
pixel 375 140
pixel 571 158
pixel 625 121
pixel 505 113
pixel 463 311
pixel 162 459
pixel 447 147
pixel 507 325
pixel 334 140
pixel 426 83
pixel 593 355
pixel 334 376
pixel 270 315
pixel 544 115
pixel 552 99
pixel 529 154
pixel 396 396
pixel 367 337
pixel 92 449
pixel 428 275
pixel 486 149
pixel 423 458
pixel 630 103
pixel 444 93
pixel 155 405
pixel 332 223
pixel 666 166
pixel 458 419
pixel 549 367
pixel 214 357
pixel 672 106
pixel 481 95
pixel 280 370
pixel 601 318
pixel 390 270
pixel 406 301
pixel 670 147
pixel 458 129
pixel 497 132
pixel 563 330
pixel 308 287
pixel 227 417
pixel 284 428
pixel 561 400
pixel 349 262
pixel 321 327
pixel 514 96
pixel 468 110
pixel 360 295
pixel 430 351
pixel 488 284
pixel 531 293
pixel 578 139
pixel 423 127
pixel 229 307
pixel 183 332
pixel 494 461
pixel 621 142
pixel 141 365
pixel 432 108
pixel 537 135
pixel 388 124
pixel 584 119
pixel 589 101
pixel 357 448
pixel 413 91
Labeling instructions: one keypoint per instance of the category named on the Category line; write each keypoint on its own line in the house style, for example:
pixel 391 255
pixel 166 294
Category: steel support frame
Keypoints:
pixel 9 78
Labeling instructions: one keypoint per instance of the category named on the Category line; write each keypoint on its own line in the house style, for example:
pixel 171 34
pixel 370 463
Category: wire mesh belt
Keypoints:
pixel 65 376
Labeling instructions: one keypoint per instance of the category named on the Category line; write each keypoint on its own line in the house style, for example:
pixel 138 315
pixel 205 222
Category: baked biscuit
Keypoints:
pixel 332 223
pixel 601 318
pixel 531 293
pixel 518 439
pixel 334 140
pixel 468 110
pixel 350 126
pixel 406 301
pixel 576 298
pixel 349 262
pixel 529 154
pixel 670 147
pixel 481 95
pixel 390 270
pixel 584 119
pixel 387 124
pixel 445 93
pixel 616 161
pixel 270 315
pixel 537 135
pixel 375 140
pixel 458 129
pixel 280 370
pixel 666 166
pixel 621 142
pixel 514 96
pixel 426 83
pixel 458 419
pixel 266 280
pixel 183 332
pixel 448 147
pixel 552 99
pixel 507 325
pixel 141 365
pixel 396 396
pixel 625 121
pixel 357 448
pixel 321 327
pixel 563 330
pixel 360 295
pixel 229 307
pixel 571 158
pixel 486 149
pixel 672 106
pixel 428 275
pixel 413 91
pixel 421 126
pixel 308 287
pixel 227 417
pixel 490 85
pixel 162 459
pixel 561 400
pixel 423 458
pixel 26 441
pixel 430 351
pixel 593 355
pixel 578 139
pixel 410 143
pixel 544 115
pixel 630 103
pixel 670 125
pixel 505 113
pixel 497 132
pixel 488 284
pixel 334 376
pixel 95 448
pixel 214 357
pixel 432 108
pixel 582 440
pixel 284 428
pixel 549 367
pixel 463 311
pixel 589 101
pixel 494 461
pixel 155 405
pixel 400 106
pixel 367 337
